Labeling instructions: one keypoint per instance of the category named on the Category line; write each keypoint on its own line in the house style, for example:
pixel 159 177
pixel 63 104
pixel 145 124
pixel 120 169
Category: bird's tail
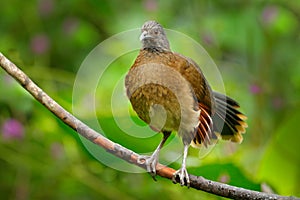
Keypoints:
pixel 228 122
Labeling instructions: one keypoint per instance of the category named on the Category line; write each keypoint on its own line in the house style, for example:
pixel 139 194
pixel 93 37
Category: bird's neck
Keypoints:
pixel 156 46
pixel 155 49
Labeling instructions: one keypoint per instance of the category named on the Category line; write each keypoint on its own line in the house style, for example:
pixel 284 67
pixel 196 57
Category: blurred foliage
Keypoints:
pixel 256 45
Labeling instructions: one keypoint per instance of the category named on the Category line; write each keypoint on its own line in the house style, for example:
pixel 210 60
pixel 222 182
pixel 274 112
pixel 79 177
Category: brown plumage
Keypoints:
pixel 170 93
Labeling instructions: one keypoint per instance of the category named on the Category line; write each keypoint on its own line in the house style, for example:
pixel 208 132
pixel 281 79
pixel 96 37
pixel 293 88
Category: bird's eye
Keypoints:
pixel 155 32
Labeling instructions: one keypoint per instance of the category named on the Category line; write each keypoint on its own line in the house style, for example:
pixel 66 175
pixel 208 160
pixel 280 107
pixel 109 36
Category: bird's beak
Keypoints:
pixel 144 35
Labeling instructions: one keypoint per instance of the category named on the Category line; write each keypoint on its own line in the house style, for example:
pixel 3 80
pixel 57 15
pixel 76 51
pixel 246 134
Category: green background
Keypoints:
pixel 255 44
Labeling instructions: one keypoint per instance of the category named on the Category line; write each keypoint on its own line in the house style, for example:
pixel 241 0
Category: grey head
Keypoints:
pixel 154 37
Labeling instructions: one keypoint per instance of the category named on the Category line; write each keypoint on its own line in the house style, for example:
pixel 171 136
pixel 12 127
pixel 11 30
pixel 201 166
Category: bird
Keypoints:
pixel 170 93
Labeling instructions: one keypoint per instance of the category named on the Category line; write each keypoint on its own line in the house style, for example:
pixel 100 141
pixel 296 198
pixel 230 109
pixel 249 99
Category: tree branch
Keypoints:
pixel 198 183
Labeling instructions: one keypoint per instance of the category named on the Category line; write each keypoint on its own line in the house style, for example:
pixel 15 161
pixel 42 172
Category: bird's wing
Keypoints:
pixel 192 72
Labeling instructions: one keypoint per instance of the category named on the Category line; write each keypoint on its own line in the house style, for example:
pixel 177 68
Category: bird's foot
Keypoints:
pixel 150 162
pixel 183 175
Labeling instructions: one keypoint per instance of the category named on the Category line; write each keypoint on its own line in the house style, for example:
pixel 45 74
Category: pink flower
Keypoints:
pixel 224 178
pixel 255 89
pixel 269 14
pixel 12 129
pixel 40 44
pixel 70 25
pixel 45 7
pixel 150 5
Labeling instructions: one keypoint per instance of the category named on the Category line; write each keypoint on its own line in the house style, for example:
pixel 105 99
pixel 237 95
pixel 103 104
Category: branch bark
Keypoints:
pixel 197 182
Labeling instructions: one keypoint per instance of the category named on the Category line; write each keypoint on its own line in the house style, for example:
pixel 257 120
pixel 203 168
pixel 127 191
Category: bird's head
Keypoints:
pixel 153 36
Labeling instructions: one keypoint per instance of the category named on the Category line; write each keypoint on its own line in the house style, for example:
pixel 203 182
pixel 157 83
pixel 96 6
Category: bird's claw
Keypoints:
pixel 183 175
pixel 150 162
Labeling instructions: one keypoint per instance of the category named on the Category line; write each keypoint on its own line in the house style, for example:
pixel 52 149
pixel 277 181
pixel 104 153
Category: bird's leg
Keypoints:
pixel 182 172
pixel 151 161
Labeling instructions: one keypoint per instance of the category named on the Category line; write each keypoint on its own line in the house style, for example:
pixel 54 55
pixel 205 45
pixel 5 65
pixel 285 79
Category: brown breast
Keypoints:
pixel 186 67
pixel 175 83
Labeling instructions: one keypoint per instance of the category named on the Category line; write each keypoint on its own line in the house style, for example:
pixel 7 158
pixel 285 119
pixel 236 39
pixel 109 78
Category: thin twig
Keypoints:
pixel 198 183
